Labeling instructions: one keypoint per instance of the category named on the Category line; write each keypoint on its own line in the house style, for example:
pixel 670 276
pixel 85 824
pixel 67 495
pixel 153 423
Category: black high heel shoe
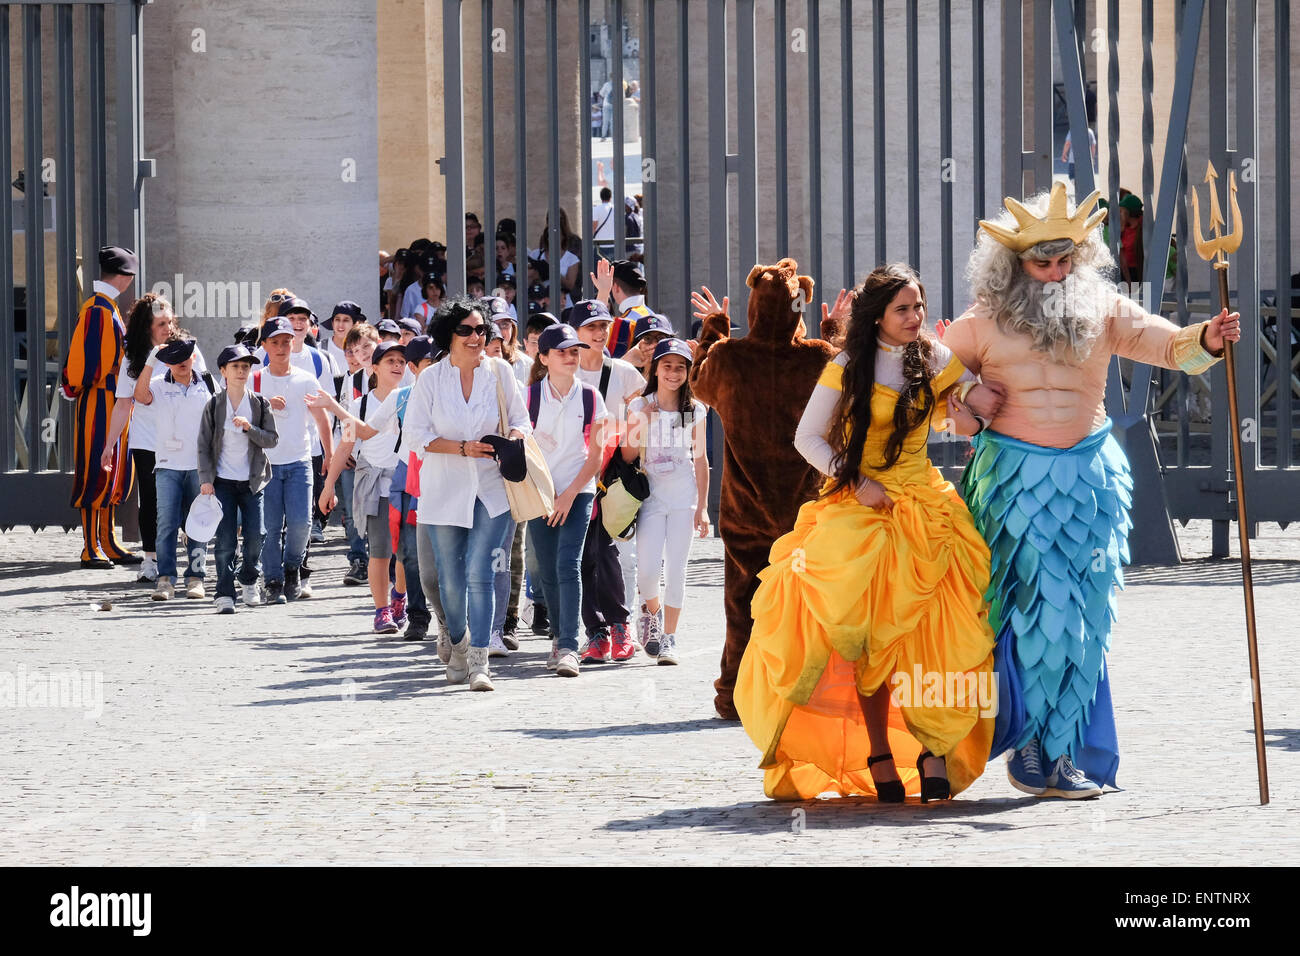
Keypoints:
pixel 887 791
pixel 932 788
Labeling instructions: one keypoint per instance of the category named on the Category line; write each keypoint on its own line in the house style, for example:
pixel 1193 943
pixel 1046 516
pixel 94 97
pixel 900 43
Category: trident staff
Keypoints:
pixel 1217 249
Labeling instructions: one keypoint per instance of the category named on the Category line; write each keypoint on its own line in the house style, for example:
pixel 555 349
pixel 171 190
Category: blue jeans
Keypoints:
pixel 239 508
pixel 405 550
pixel 501 579
pixel 356 537
pixel 464 557
pixel 559 565
pixel 286 507
pixel 176 492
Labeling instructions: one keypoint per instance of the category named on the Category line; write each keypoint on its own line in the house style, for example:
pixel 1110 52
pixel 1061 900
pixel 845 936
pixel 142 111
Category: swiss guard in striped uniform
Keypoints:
pixel 628 293
pixel 90 379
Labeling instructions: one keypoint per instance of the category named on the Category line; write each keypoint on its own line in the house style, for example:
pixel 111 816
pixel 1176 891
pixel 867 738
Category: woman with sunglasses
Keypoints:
pixel 466 514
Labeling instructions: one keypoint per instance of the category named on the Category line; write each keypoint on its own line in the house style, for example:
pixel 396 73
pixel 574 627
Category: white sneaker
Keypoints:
pixel 252 594
pixel 567 665
pixel 225 605
pixel 457 661
pixel 497 646
pixel 554 659
pixel 164 590
pixel 148 570
pixel 480 678
pixel 654 632
pixel 668 649
pixel 304 590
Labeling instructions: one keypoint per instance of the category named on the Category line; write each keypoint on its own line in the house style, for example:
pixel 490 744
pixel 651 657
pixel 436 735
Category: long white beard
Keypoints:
pixel 1063 319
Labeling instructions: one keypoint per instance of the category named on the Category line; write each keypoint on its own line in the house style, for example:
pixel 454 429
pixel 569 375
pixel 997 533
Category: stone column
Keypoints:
pixel 275 163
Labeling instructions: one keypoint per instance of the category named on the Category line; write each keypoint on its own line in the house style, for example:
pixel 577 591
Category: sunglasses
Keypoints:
pixel 465 331
pixel 277 297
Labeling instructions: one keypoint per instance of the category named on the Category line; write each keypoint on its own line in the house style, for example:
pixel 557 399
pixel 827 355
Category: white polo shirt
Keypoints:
pixel 378 451
pixel 178 412
pixel 559 432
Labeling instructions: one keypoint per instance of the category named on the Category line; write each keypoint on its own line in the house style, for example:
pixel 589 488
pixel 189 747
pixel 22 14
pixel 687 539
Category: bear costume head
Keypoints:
pixel 779 303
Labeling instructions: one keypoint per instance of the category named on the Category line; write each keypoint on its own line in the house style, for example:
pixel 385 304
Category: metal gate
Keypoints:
pixel 1177 478
pixel 60 211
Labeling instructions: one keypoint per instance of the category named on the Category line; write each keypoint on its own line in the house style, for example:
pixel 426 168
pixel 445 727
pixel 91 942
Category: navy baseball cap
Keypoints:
pixel 275 326
pixel 247 335
pixel 410 324
pixel 234 353
pixel 673 346
pixel 419 348
pixel 497 308
pixel 654 322
pixel 559 336
pixel 538 291
pixel 385 348
pixel 587 311
pixel 295 305
pixel 388 327
pixel 173 353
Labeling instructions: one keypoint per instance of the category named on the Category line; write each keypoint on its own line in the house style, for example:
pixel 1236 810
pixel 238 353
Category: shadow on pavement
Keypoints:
pixel 841 813
pixel 622 730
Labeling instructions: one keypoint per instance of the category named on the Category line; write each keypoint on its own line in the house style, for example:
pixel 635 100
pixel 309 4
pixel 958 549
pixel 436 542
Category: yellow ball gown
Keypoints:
pixel 854 596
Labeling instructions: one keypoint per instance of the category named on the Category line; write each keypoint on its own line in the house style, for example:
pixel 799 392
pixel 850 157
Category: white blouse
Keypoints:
pixel 450 484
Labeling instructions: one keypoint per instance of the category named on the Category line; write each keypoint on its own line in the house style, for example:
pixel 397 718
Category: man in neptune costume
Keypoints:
pixel 1048 484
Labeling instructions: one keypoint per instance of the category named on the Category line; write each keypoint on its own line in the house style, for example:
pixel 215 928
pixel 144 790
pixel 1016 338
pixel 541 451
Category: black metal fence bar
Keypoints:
pixel 554 243
pixel 1043 125
pixel 65 220
pixel 947 167
pixel 1282 162
pixel 523 240
pixel 683 143
pixel 584 149
pixel 489 225
pixel 650 151
pixel 95 221
pixel 913 140
pixel 34 224
pixel 8 456
pixel 620 152
pixel 977 105
pixel 780 132
pixel 747 145
pixel 848 216
pixel 716 84
pixel 878 125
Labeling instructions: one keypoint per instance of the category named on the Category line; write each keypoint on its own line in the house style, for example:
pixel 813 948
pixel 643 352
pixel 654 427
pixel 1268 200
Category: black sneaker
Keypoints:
pixel 275 592
pixel 541 620
pixel 509 638
pixel 292 587
pixel 416 632
pixel 357 573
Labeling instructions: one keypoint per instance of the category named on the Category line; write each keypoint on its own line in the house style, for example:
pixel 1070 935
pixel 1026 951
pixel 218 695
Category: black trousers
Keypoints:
pixel 603 593
pixel 144 465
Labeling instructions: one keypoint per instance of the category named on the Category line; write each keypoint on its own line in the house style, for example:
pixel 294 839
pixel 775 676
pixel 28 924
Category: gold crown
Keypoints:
pixel 1056 225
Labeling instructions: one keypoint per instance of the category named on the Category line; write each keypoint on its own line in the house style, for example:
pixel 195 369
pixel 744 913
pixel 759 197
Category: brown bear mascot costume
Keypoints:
pixel 759 386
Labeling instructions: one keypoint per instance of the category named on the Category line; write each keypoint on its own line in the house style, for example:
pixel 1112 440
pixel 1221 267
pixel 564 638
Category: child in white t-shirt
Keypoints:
pixel 372 435
pixel 666 428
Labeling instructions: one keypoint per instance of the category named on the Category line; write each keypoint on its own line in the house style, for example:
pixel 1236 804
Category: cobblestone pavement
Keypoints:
pixel 292 735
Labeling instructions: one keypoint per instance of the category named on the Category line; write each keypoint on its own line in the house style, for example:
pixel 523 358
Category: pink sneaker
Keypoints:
pixel 398 607
pixel 384 623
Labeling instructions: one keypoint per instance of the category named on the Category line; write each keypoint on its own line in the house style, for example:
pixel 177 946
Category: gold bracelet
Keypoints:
pixel 964 389
pixel 462 449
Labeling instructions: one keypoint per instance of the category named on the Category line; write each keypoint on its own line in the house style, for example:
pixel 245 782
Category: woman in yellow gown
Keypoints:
pixel 871 634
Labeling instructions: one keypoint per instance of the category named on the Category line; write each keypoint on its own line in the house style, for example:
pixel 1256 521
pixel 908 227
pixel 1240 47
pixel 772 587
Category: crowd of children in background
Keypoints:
pixel 408 426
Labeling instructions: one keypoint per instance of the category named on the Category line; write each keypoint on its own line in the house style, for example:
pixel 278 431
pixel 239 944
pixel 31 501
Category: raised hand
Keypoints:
pixel 705 304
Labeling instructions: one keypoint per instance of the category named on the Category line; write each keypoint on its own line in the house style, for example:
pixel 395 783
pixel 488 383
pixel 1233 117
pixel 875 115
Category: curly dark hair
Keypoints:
pixel 848 434
pixel 453 312
pixel 139 330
